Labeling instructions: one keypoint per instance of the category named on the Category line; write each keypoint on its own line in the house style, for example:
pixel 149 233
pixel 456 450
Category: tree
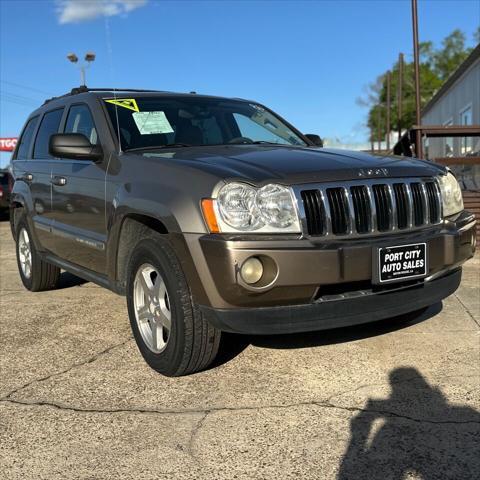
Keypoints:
pixel 436 65
pixel 453 53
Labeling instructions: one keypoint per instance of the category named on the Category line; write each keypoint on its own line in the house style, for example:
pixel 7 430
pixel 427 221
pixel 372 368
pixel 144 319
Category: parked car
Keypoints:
pixel 214 214
pixel 5 188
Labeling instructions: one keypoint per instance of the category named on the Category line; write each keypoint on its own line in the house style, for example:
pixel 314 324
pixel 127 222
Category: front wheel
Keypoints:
pixel 171 333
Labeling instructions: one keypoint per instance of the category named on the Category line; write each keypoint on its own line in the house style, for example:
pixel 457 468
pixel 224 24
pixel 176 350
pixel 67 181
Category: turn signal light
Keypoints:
pixel 209 215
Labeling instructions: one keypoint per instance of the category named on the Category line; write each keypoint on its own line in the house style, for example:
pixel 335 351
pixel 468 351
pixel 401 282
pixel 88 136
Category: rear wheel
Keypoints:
pixel 171 333
pixel 36 274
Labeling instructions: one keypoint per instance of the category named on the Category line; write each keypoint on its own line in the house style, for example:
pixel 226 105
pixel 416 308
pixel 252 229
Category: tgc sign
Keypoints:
pixel 8 144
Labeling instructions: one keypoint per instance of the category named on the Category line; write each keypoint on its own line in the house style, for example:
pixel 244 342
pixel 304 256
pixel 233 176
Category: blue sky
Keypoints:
pixel 308 60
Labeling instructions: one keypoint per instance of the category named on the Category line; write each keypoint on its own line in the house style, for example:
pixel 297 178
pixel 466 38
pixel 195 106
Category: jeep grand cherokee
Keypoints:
pixel 214 214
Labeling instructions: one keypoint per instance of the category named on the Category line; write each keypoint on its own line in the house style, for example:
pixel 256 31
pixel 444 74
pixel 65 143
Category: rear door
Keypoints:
pixel 78 199
pixel 22 160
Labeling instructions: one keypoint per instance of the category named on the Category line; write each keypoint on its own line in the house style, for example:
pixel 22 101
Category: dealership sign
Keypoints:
pixel 8 144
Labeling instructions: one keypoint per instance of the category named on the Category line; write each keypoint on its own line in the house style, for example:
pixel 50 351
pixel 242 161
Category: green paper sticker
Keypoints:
pixel 150 123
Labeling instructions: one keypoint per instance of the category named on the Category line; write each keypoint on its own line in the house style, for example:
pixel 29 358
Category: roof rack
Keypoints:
pixel 85 89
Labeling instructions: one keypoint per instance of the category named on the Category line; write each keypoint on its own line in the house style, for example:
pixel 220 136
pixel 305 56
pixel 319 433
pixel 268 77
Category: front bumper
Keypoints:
pixel 308 271
pixel 362 308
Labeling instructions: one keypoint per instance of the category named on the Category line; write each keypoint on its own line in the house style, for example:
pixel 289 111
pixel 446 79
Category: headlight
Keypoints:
pixel 276 207
pixel 451 195
pixel 242 208
pixel 236 205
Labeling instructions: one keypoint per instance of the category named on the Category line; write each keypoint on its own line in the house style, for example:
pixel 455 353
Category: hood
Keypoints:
pixel 293 165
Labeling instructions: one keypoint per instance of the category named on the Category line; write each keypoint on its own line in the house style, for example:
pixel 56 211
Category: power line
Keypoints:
pixel 25 87
pixel 18 99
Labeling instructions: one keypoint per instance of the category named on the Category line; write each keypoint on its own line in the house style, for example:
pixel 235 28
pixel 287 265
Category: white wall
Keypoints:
pixel 465 92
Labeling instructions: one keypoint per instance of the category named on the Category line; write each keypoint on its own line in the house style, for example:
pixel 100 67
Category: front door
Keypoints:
pixel 78 200
pixel 38 174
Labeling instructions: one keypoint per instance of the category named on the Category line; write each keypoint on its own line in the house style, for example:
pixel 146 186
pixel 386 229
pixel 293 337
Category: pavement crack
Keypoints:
pixel 381 384
pixel 389 413
pixel 470 314
pixel 66 370
pixel 366 385
pixel 207 411
pixel 193 436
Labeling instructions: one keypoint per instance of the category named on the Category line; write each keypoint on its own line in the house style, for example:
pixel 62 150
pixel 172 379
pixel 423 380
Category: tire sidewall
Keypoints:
pixel 154 252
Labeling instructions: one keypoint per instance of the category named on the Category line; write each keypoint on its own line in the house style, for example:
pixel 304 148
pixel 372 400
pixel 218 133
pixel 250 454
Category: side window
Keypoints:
pixel 80 120
pixel 466 119
pixel 260 130
pixel 26 139
pixel 49 126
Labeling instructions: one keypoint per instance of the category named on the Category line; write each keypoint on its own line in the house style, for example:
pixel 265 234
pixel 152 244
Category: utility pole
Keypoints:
pixel 379 127
pixel 418 140
pixel 388 110
pixel 399 94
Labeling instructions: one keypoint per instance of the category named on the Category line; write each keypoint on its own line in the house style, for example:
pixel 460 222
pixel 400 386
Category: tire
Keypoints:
pixel 159 300
pixel 36 274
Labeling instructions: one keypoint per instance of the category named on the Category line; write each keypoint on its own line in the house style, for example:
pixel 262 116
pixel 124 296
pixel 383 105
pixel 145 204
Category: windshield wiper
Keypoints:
pixel 158 147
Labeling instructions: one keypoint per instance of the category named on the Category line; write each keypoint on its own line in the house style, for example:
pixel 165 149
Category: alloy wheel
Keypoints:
pixel 25 253
pixel 152 308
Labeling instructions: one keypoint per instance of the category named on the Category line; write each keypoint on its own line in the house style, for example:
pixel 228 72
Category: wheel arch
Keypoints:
pixel 20 206
pixel 133 227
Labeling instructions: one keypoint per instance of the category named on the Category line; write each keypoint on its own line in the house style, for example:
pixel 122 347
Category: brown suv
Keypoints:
pixel 214 214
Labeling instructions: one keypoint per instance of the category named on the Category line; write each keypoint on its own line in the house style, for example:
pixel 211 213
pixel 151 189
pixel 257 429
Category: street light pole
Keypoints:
pixel 89 58
pixel 388 110
pixel 400 94
pixel 82 75
pixel 418 139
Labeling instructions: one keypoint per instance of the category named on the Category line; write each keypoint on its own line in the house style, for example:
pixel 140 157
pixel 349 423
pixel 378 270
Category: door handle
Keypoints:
pixel 59 181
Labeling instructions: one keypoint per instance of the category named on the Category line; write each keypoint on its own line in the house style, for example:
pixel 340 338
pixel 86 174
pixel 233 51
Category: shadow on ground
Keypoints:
pixel 232 344
pixel 68 280
pixel 414 431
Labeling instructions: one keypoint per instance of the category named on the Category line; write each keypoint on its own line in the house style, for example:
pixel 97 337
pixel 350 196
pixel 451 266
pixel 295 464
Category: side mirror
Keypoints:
pixel 74 145
pixel 315 139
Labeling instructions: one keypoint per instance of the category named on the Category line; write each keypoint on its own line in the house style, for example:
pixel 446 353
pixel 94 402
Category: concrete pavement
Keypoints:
pixel 393 400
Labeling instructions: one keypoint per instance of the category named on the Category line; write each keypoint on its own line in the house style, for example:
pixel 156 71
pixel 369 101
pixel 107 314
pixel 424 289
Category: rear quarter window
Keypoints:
pixel 26 139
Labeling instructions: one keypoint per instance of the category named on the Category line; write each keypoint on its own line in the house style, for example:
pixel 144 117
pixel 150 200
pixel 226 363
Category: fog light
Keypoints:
pixel 252 270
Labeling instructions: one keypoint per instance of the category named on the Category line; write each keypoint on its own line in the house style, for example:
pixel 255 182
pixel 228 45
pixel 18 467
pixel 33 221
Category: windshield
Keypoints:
pixel 149 122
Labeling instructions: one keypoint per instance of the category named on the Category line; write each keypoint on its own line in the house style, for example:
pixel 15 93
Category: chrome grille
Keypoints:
pixel 362 208
pixel 383 204
pixel 338 203
pixel 402 205
pixel 316 221
pixel 369 207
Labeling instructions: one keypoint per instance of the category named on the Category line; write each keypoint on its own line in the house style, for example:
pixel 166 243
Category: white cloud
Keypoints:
pixel 76 11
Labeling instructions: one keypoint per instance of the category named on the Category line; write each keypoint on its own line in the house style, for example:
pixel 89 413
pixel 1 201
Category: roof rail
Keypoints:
pixel 119 90
pixel 85 89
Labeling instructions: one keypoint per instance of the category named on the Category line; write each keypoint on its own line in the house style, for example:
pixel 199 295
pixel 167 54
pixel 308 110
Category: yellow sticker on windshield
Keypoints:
pixel 129 103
